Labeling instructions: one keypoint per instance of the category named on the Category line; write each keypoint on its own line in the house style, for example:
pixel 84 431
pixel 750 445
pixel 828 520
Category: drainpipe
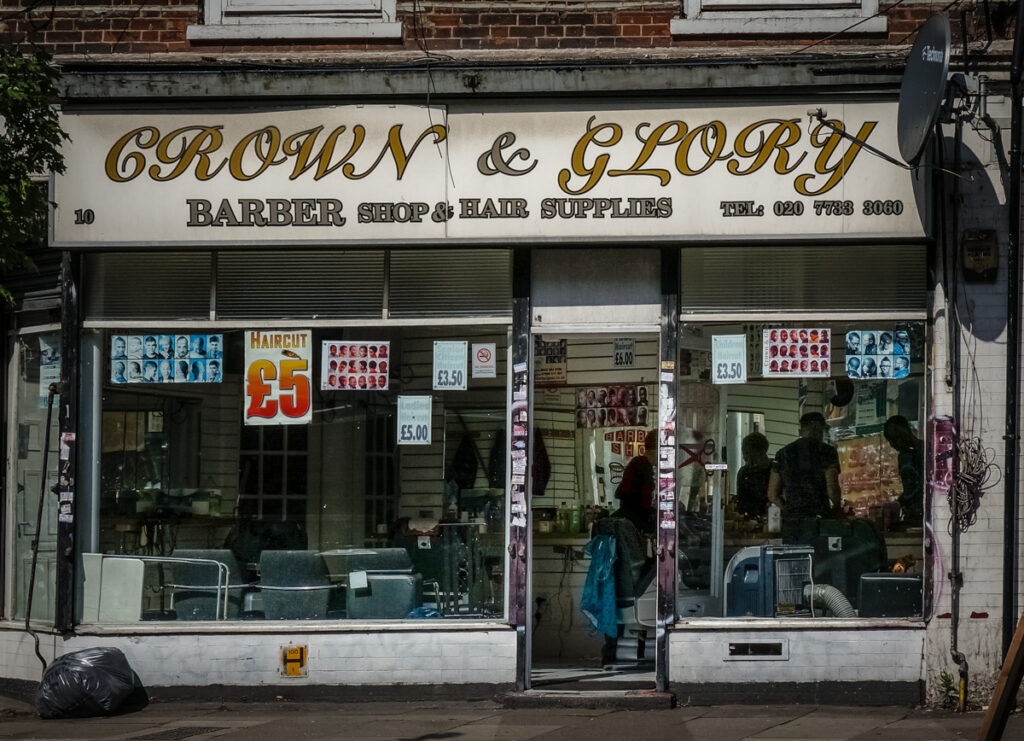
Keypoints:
pixel 1011 438
pixel 956 577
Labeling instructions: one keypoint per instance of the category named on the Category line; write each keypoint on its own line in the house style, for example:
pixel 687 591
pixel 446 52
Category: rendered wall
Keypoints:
pixel 431 657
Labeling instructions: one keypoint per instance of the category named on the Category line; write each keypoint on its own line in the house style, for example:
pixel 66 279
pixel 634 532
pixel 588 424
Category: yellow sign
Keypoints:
pixel 293 661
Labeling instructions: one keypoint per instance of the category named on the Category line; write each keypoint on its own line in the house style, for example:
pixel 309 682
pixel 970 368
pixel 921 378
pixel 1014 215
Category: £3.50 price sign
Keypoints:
pixel 729 358
pixel 414 420
pixel 450 360
pixel 277 377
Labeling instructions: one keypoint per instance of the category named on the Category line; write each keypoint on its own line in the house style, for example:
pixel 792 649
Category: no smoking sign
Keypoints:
pixel 484 360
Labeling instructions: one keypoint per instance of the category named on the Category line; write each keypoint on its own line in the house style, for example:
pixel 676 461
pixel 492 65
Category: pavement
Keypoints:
pixel 553 718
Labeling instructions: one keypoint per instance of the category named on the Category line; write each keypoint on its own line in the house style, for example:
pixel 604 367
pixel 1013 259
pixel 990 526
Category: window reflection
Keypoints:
pixel 204 518
pixel 840 454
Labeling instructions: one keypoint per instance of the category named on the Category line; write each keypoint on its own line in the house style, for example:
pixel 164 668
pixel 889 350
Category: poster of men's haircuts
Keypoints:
pixel 355 366
pixel 796 353
pixel 878 353
pixel 166 358
pixel 617 405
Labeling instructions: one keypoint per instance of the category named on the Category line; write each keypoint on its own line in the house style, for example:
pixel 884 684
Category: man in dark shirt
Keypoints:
pixel 804 480
pixel 910 452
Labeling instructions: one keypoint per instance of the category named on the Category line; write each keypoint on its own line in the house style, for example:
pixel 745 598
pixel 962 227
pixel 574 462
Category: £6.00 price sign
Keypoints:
pixel 450 360
pixel 277 377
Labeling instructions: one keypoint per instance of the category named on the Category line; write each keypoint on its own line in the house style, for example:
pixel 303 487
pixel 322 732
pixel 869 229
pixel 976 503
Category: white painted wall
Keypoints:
pixel 983 321
pixel 237 658
pixel 825 654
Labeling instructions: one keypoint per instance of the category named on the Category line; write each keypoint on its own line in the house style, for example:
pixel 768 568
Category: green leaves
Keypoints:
pixel 30 140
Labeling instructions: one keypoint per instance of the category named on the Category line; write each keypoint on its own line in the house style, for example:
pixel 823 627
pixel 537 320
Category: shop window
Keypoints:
pixel 338 517
pixel 827 419
pixel 778 17
pixel 38 365
pixel 243 20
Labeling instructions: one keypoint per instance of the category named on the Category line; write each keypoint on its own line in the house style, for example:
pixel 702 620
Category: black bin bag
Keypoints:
pixel 93 681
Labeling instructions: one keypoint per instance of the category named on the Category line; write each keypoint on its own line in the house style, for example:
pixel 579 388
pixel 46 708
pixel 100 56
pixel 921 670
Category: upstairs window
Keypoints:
pixel 245 20
pixel 778 17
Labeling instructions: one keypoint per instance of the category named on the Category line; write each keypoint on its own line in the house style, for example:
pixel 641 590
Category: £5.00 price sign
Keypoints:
pixel 450 360
pixel 414 420
pixel 277 378
pixel 729 358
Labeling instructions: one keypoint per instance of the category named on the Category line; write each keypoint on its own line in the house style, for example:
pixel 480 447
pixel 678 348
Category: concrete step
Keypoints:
pixel 636 699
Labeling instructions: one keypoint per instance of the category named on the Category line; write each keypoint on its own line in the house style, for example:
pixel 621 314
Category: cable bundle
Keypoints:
pixel 970 483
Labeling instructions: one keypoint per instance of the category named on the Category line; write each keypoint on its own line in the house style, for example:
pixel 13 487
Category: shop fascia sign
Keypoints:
pixel 401 174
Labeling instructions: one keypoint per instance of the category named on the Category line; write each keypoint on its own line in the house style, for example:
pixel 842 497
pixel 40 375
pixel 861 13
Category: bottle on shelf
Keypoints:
pixel 563 518
pixel 576 519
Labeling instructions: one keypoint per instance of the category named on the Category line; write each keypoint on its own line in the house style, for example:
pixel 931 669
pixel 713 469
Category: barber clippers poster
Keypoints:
pixel 796 353
pixel 278 378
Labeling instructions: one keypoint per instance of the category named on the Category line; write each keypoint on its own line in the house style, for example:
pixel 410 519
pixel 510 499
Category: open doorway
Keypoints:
pixel 595 414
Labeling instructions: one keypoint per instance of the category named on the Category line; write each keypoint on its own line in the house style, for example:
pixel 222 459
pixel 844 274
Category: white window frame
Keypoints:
pixel 783 17
pixel 257 20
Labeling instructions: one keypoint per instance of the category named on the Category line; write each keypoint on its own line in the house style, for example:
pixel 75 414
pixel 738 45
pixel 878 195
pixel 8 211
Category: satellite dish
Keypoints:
pixel 923 88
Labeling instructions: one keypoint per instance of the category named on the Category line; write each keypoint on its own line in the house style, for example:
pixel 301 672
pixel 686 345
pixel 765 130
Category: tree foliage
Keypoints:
pixel 30 140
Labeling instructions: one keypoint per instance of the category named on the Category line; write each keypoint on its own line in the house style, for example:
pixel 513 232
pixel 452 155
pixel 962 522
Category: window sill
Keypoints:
pixel 787 25
pixel 307 30
pixel 289 626
pixel 715 624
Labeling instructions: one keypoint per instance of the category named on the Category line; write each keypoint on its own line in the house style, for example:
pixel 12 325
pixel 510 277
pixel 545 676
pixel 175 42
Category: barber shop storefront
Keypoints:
pixel 481 394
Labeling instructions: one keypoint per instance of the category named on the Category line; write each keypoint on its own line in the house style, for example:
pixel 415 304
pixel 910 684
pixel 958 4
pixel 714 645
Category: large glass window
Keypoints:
pixel 38 365
pixel 388 502
pixel 819 512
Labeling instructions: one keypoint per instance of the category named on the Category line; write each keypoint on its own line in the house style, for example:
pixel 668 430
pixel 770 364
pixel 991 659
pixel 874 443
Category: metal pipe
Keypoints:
pixel 956 579
pixel 1011 438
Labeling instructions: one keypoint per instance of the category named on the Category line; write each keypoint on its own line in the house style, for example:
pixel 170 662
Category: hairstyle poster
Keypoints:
pixel 617 405
pixel 166 358
pixel 355 366
pixel 796 353
pixel 878 353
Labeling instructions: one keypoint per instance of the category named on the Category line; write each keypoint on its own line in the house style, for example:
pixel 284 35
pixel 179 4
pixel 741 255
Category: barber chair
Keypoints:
pixel 633 573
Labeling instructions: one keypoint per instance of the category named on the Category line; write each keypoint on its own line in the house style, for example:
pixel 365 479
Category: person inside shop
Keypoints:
pixel 752 479
pixel 636 492
pixel 804 480
pixel 910 461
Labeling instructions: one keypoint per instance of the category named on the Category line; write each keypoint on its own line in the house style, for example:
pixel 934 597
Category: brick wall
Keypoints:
pixel 98 27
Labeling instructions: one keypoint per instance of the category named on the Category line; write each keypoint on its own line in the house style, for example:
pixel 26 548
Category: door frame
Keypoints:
pixel 665 543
